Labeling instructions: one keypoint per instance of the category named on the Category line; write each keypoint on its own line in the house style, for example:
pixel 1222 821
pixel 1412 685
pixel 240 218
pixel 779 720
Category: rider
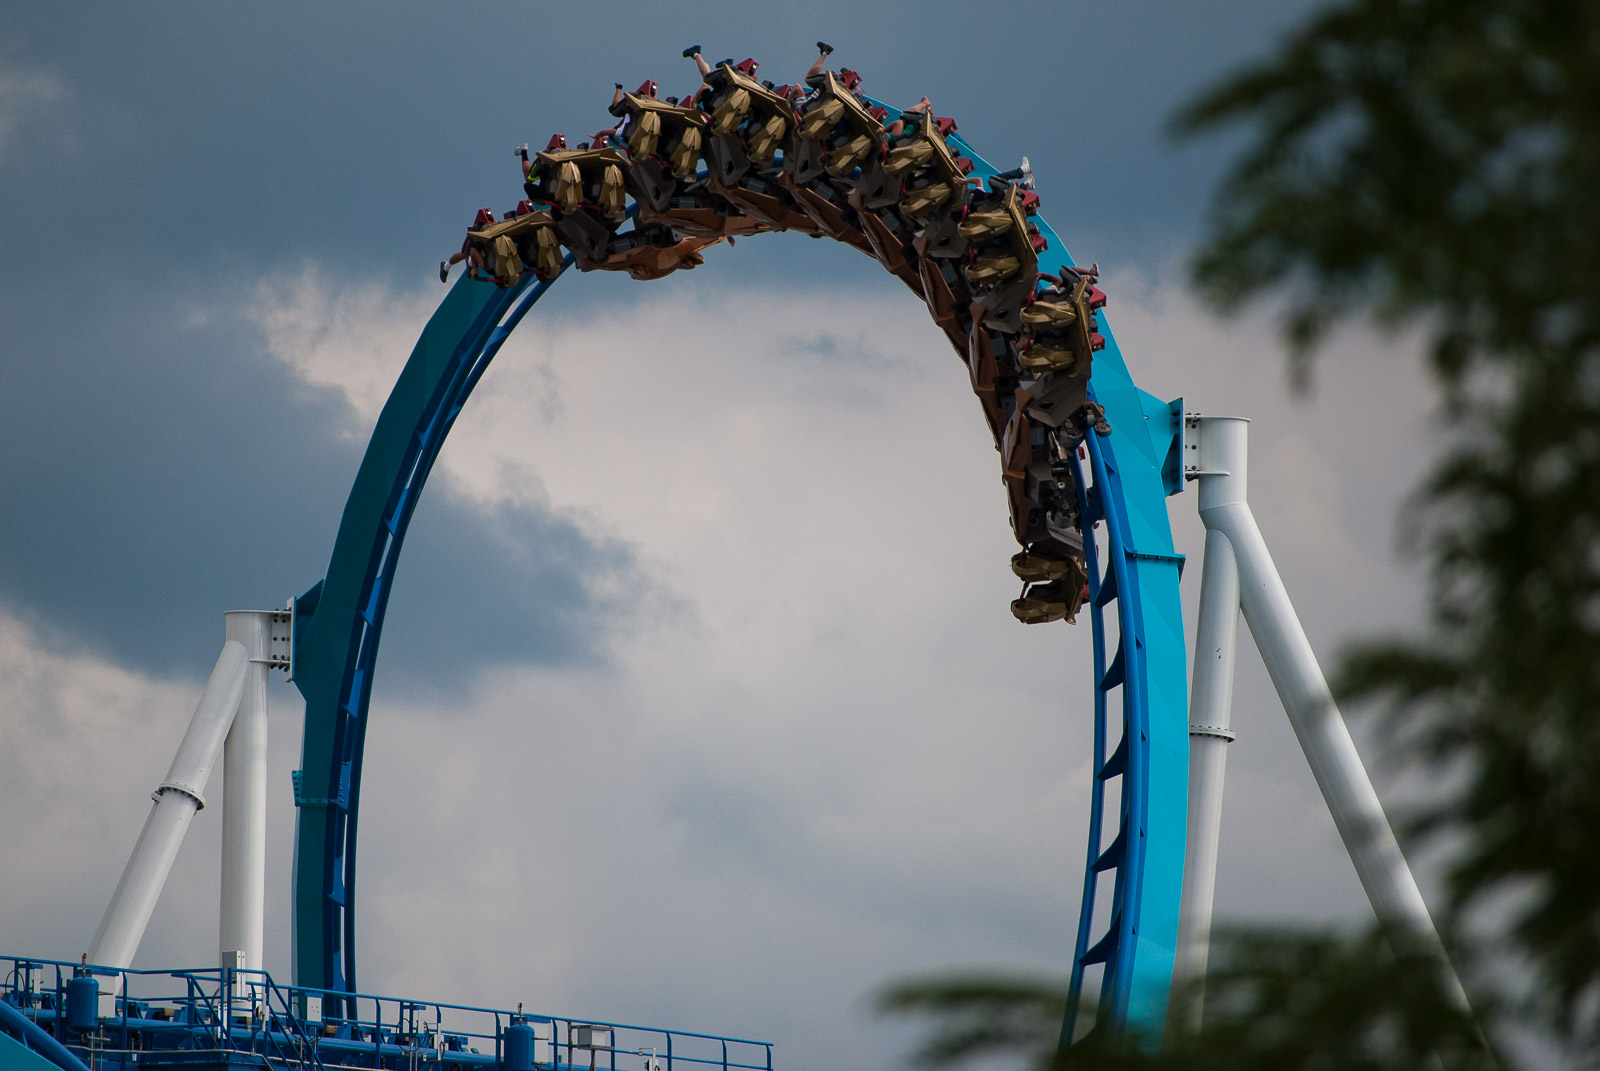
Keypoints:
pixel 471 250
pixel 921 107
pixel 533 176
pixel 814 75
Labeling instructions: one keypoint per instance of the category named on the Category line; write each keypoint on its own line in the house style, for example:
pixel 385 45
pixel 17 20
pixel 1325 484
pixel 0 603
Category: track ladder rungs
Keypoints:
pixel 1117 764
pixel 1112 856
pixel 1115 673
pixel 1108 588
pixel 1102 949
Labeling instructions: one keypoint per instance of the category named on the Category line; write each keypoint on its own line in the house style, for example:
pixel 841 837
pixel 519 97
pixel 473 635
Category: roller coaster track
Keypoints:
pixel 1128 922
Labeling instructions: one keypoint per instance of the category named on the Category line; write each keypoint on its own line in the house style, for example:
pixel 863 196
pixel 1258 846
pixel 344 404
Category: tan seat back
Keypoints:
pixel 507 264
pixel 568 189
pixel 549 253
pixel 820 117
pixel 730 111
pixel 764 143
pixel 686 157
pixel 645 135
pixel 613 196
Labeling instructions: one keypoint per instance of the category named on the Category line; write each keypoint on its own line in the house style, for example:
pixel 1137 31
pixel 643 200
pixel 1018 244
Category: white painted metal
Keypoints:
pixel 242 918
pixel 1210 732
pixel 1304 692
pixel 176 800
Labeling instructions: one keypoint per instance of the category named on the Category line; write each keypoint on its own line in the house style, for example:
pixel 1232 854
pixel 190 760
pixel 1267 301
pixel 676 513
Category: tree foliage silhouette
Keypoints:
pixel 1435 165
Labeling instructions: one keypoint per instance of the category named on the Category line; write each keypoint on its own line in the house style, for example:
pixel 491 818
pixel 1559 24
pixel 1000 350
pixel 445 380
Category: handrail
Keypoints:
pixel 208 1003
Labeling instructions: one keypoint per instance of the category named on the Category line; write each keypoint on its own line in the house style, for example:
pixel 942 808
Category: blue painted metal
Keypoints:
pixel 83 1002
pixel 212 1020
pixel 30 1046
pixel 15 1056
pixel 1135 468
pixel 339 622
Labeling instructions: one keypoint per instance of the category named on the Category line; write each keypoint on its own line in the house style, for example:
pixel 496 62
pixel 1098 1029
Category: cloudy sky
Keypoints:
pixel 701 705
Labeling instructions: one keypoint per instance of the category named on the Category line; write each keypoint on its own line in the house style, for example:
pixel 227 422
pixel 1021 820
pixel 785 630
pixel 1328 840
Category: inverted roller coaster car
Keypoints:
pixel 1061 328
pixel 749 123
pixel 989 215
pixel 701 213
pixel 1011 251
pixel 1055 601
pixel 769 202
pixel 1048 352
pixel 1003 303
pixel 1042 563
pixel 842 126
pixel 946 293
pixel 890 240
pixel 532 241
pixel 649 251
pixel 829 209
pixel 1064 300
pixel 912 150
pixel 936 179
pixel 665 141
pixel 498 244
pixel 972 255
pixel 1057 399
pixel 594 177
pixel 729 95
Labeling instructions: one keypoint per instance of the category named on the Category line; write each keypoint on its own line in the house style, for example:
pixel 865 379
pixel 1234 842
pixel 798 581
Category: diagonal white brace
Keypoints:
pixel 1222 446
pixel 176 801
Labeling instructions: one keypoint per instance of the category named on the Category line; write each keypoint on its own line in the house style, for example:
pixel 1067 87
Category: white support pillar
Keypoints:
pixel 1210 732
pixel 1304 692
pixel 242 919
pixel 177 798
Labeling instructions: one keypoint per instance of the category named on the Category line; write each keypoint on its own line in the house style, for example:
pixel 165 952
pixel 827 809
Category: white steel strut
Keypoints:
pixel 230 721
pixel 1240 575
pixel 242 920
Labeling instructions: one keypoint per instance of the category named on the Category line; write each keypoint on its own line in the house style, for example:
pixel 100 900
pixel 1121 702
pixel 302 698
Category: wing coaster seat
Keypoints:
pixel 842 127
pixel 665 142
pixel 502 245
pixel 532 242
pixel 587 177
pixel 1060 326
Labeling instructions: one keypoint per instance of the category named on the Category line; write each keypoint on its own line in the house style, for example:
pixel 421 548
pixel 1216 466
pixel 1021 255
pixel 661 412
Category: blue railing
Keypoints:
pixel 218 1016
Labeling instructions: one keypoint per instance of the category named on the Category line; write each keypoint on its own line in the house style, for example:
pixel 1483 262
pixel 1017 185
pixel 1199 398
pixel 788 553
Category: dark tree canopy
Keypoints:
pixel 1435 165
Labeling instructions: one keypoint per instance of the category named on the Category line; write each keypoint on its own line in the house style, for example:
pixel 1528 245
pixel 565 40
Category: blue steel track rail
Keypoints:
pixel 1134 470
pixel 1130 935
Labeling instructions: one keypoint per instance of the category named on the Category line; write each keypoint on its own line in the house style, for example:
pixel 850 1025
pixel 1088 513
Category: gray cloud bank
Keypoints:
pixel 699 702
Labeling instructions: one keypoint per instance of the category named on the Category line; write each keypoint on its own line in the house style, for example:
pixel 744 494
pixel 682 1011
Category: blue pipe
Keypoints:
pixel 36 1038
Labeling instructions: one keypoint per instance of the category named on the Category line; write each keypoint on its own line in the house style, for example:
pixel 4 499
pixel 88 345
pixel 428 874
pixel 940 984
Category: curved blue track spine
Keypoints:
pixel 1134 469
pixel 339 623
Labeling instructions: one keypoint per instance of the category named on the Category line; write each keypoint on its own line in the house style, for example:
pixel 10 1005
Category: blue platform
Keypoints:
pixel 207 1020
